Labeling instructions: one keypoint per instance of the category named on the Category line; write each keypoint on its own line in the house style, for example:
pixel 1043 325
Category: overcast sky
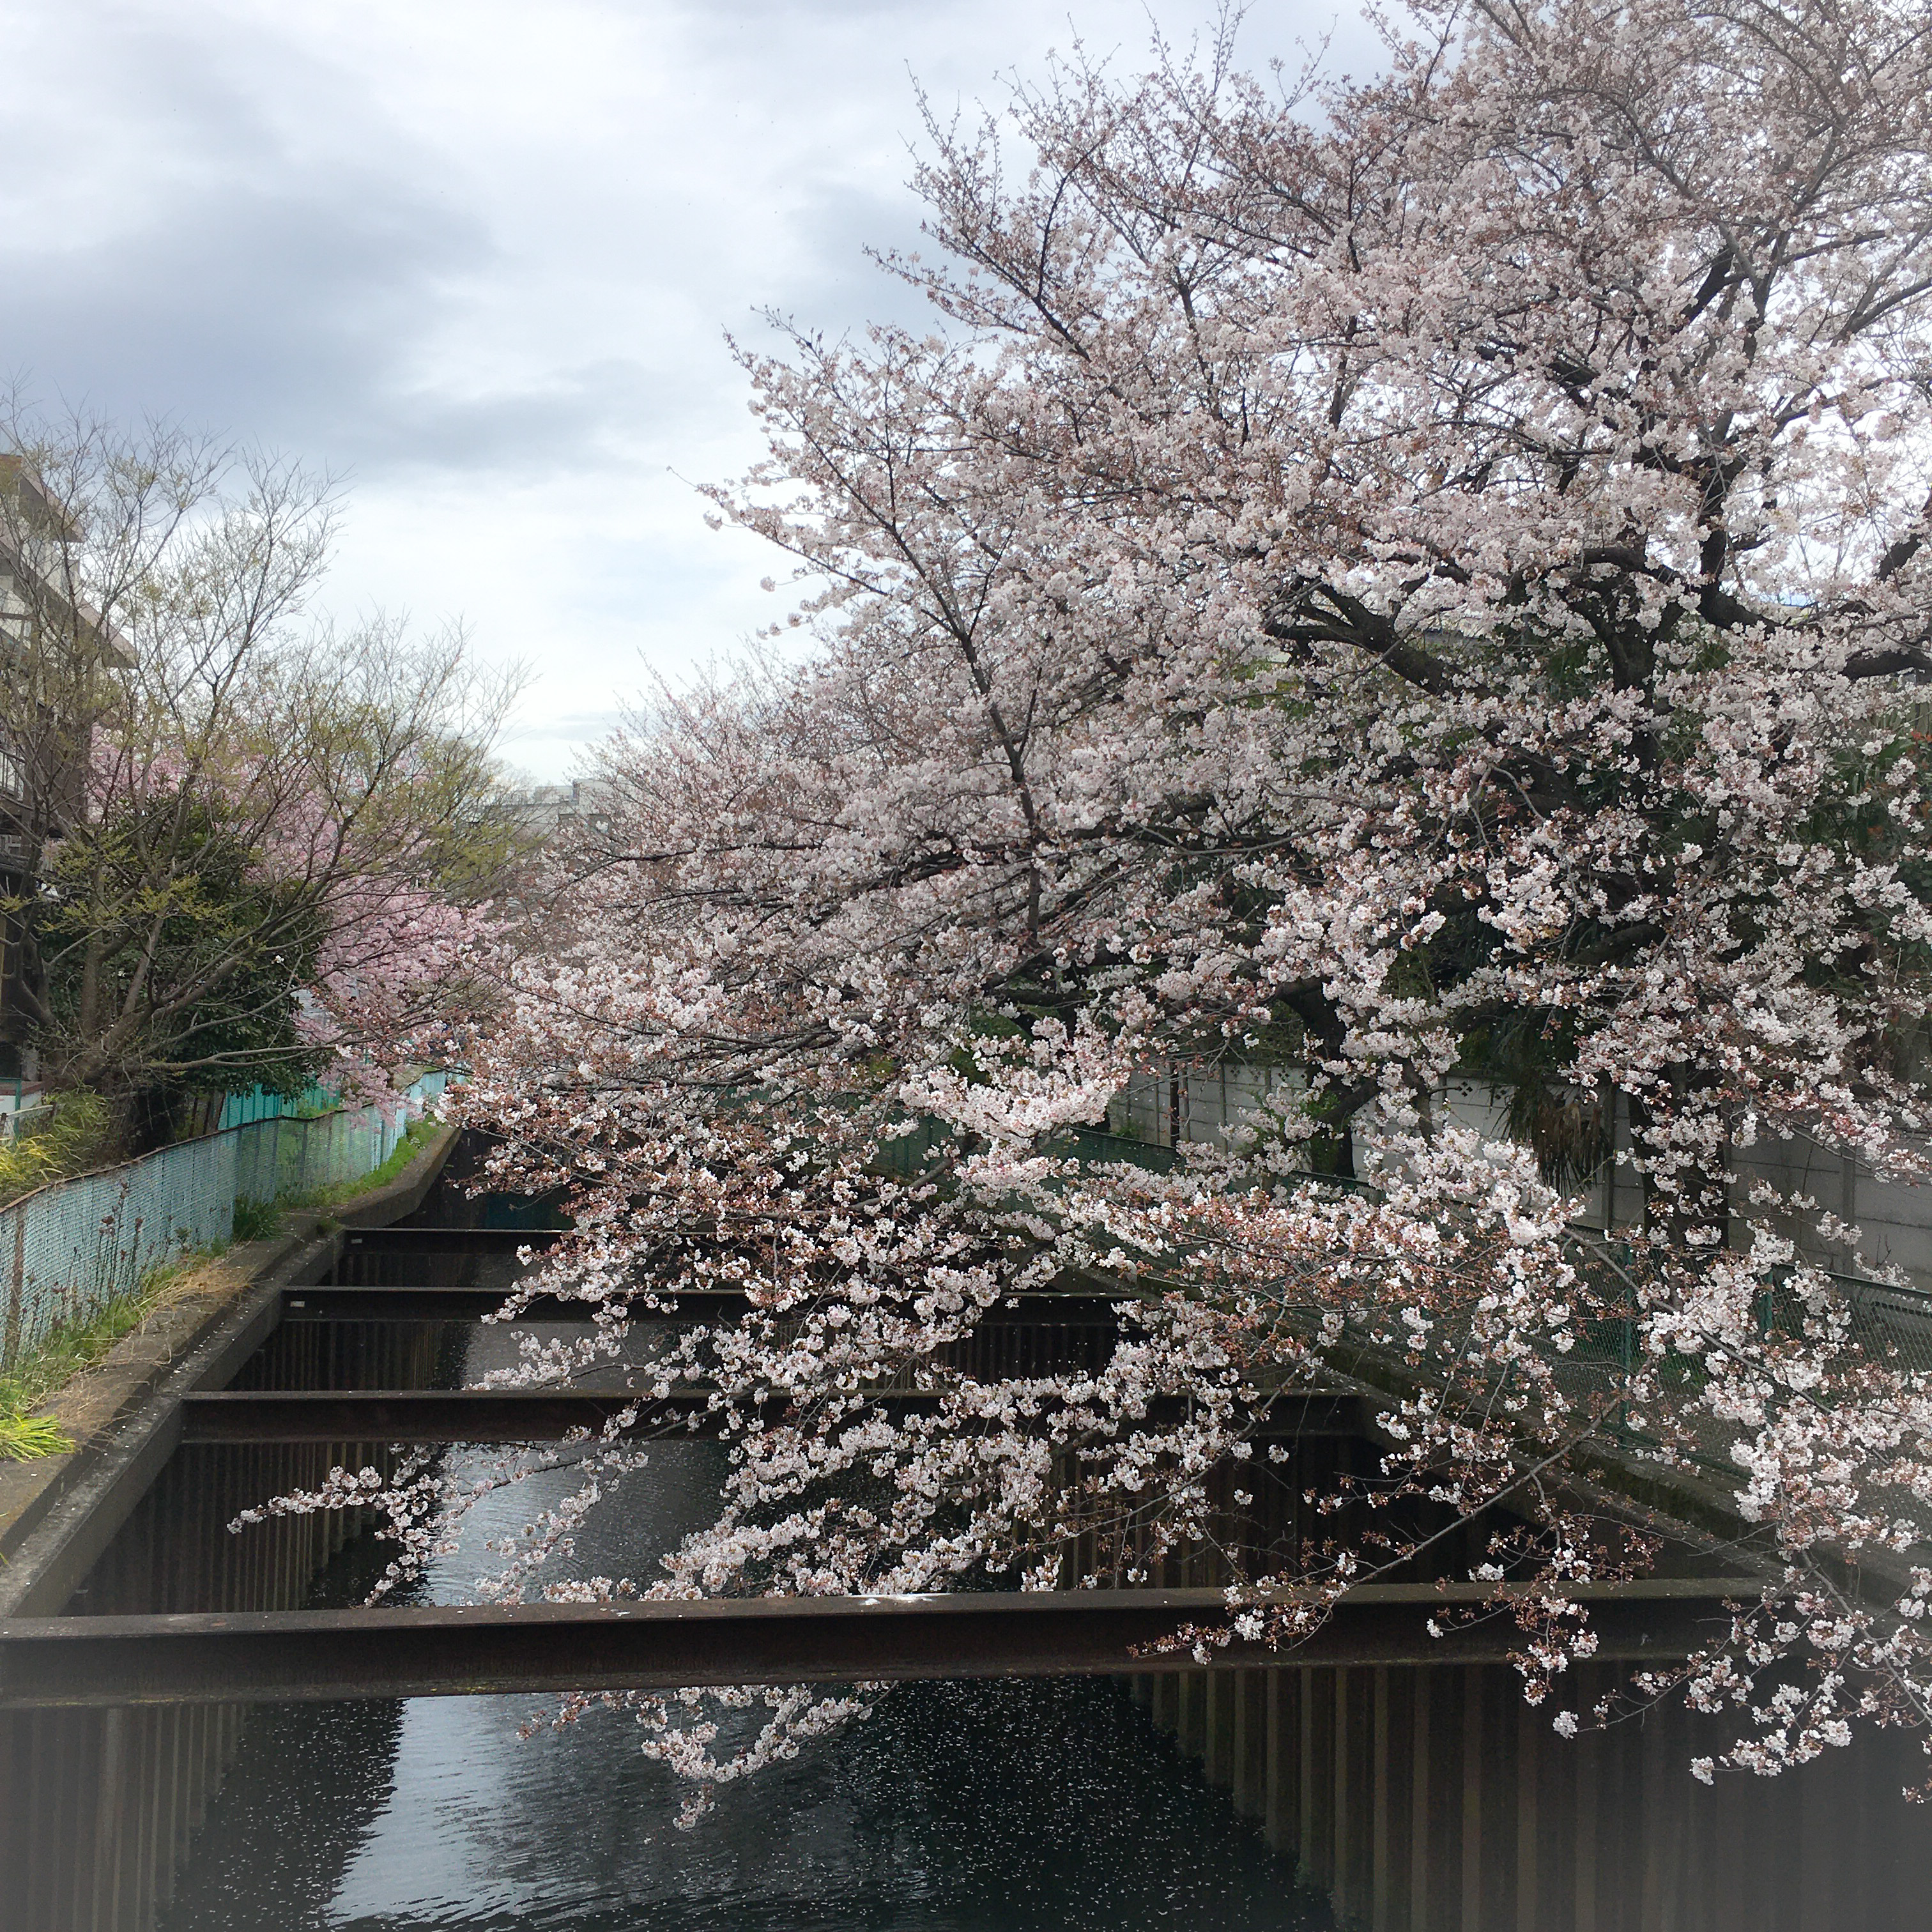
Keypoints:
pixel 479 257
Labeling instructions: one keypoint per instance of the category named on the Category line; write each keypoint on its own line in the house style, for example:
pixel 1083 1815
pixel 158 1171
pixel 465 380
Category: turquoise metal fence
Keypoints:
pixel 69 1250
pixel 241 1110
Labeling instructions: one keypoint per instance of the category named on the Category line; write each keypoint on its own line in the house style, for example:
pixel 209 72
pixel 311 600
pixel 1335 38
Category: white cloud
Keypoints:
pixel 481 255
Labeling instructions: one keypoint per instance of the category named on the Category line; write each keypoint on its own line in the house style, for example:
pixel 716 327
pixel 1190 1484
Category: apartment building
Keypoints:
pixel 54 649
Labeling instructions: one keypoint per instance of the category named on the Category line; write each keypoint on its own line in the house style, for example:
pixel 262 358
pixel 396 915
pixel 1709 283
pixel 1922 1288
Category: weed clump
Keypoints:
pixel 71 1133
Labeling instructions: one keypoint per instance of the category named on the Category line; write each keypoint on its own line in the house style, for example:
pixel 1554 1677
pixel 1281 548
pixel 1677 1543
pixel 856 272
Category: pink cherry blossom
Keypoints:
pixel 1389 581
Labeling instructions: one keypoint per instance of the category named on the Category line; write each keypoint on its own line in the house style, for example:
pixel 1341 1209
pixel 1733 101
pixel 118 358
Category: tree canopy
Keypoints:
pixel 1406 577
pixel 255 845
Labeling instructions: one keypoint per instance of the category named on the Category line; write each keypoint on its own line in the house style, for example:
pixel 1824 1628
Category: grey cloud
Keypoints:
pixel 300 316
pixel 261 308
pixel 222 264
pixel 845 288
pixel 571 726
pixel 590 417
pixel 225 213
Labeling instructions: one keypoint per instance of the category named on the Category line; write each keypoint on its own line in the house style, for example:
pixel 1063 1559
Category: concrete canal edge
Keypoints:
pixel 58 1513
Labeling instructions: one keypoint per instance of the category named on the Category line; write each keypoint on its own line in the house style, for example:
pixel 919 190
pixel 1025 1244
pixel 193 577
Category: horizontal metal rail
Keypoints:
pixel 401 1240
pixel 307 1655
pixel 538 1415
pixel 331 1304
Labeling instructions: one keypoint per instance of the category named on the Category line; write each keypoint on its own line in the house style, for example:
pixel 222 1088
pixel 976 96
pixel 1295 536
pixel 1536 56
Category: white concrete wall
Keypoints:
pixel 1895 1219
pixel 1215 1105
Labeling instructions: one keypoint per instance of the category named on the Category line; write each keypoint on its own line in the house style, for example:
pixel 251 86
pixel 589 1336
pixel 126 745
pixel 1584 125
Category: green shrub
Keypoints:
pixel 253 1220
pixel 24 1438
pixel 77 1137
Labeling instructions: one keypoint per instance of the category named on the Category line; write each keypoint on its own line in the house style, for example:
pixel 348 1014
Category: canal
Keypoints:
pixel 1402 1798
pixel 1022 1805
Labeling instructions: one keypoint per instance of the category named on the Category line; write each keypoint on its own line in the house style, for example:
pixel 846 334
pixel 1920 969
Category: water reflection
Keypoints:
pixel 1014 1807
pixel 1000 1808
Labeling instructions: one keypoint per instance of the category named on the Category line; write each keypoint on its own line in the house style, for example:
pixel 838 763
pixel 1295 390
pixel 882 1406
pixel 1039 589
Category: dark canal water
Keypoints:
pixel 1004 1807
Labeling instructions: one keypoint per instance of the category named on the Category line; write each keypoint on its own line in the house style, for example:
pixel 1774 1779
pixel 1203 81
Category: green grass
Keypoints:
pixel 25 1439
pixel 416 1137
pixel 254 1219
pixel 68 1352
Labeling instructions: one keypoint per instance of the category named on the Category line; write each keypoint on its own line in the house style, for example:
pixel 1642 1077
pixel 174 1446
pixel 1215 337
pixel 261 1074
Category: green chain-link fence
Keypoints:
pixel 70 1249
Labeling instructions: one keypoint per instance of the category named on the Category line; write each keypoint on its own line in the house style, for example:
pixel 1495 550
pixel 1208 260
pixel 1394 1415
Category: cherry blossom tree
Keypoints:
pixel 257 846
pixel 1401 579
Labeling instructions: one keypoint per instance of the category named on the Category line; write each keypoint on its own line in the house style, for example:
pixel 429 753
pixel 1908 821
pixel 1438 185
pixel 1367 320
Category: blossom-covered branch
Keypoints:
pixel 1397 582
